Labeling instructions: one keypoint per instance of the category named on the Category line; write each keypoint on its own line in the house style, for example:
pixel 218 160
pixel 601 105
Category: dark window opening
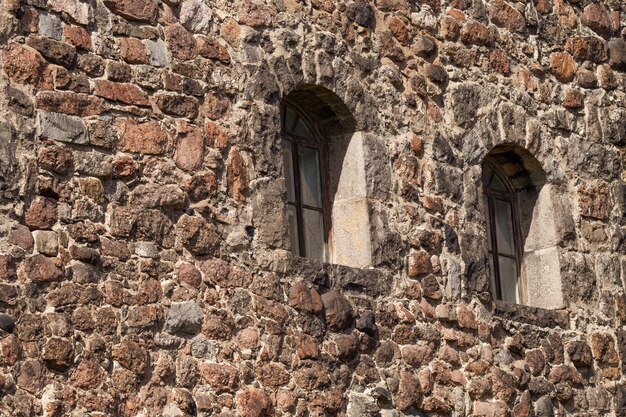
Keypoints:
pixel 304 156
pixel 503 235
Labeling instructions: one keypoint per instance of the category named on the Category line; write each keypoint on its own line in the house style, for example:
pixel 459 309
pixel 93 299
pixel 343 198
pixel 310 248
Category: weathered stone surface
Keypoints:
pixel 146 260
pixel 617 54
pixel 55 51
pixel 178 105
pixel 184 317
pixel 40 268
pixel 70 103
pixel 255 403
pixel 220 377
pixel 63 128
pixel 198 236
pixel 475 33
pixel 58 354
pixel 148 138
pixel 122 92
pixel 42 213
pixel 504 15
pixel 131 355
pixel 195 16
pixel 140 10
pixel 563 66
pixel 596 17
pixel 337 310
pixel 189 148
pixel 80 12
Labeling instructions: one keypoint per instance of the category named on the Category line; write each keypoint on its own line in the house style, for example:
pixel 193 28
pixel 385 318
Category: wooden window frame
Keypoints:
pixel 321 145
pixel 509 197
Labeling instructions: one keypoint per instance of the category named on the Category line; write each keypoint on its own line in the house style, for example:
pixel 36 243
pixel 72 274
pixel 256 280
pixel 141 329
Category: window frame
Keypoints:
pixel 320 144
pixel 509 197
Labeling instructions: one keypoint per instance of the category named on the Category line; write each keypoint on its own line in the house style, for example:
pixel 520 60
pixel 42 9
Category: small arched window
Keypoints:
pixel 522 235
pixel 304 156
pixel 503 235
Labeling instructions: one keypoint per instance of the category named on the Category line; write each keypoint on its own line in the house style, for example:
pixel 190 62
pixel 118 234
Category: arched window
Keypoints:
pixel 304 156
pixel 324 166
pixel 522 235
pixel 503 235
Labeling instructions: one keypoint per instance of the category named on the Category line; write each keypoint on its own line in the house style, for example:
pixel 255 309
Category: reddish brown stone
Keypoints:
pixel 436 73
pixel 147 138
pixel 417 356
pixel 603 349
pixel 182 43
pixel 190 275
pixel 177 105
pixel 312 375
pixel 40 268
pixel 257 14
pixel 216 136
pixel 8 264
pixel 190 147
pixel 450 28
pixel 465 317
pixel 499 62
pixel 418 264
pixel 272 375
pixel 88 374
pixel 524 407
pixel 25 65
pixel 424 46
pixel 563 66
pixel 141 10
pixel 398 29
pixel 29 22
pixel 255 403
pixel 124 167
pixel 587 48
pixel 42 213
pixel 122 92
pixel 56 159
pixel 133 51
pixel 302 299
pixel 409 391
pixel 504 15
pixel 211 49
pixel 543 6
pixel 70 103
pixel 430 287
pixel 490 409
pixel 565 373
pixel 306 346
pixel 131 355
pixel 237 175
pixel 78 37
pixel 475 33
pixel 536 361
pixel 198 236
pixel 607 78
pixel 596 17
pixel 580 354
pixel 32 376
pixel 594 201
pixel 449 355
pixel 337 310
pixel 58 354
pixel 55 51
pixel 220 377
pixel 573 99
pixel 10 349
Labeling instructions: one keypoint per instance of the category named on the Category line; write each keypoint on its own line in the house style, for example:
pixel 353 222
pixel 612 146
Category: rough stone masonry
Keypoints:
pixel 144 264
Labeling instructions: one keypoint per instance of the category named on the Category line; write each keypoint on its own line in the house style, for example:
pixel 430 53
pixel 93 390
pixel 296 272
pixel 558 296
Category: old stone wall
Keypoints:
pixel 144 264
